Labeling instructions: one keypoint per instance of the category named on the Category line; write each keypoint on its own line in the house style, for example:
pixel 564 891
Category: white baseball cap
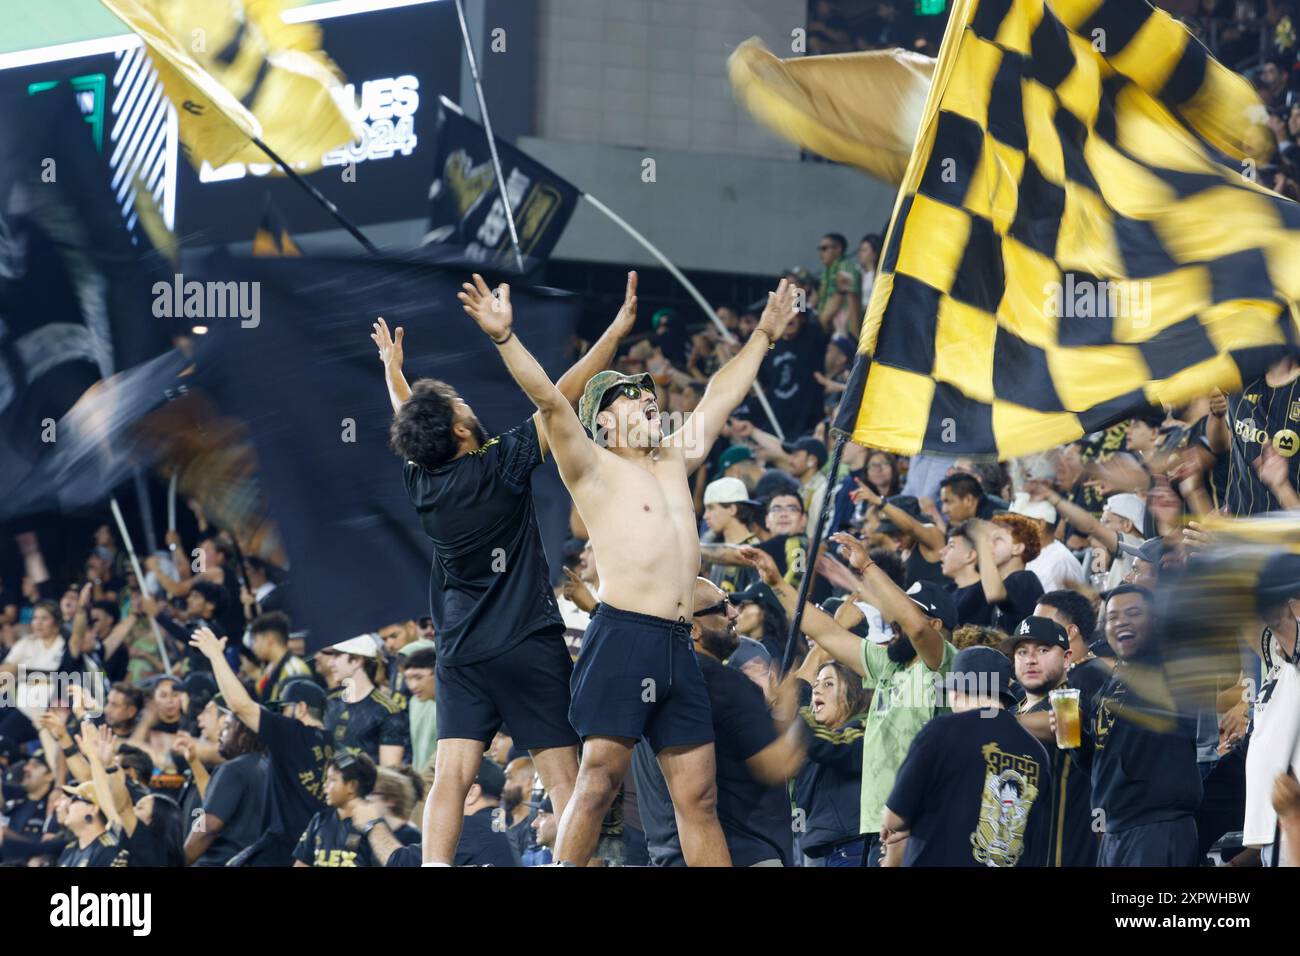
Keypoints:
pixel 1128 506
pixel 363 645
pixel 727 491
pixel 1042 510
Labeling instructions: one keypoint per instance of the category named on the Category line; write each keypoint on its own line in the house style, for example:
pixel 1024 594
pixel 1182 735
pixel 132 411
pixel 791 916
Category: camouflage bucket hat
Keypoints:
pixel 598 385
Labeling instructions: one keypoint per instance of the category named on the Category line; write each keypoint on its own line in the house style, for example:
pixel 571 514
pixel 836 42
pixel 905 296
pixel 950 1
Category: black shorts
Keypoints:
pixel 526 688
pixel 637 676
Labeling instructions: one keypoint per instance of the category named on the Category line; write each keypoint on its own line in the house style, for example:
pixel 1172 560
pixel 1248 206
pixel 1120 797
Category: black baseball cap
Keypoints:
pixel 809 444
pixel 302 689
pixel 977 669
pixel 543 805
pixel 1151 550
pixel 757 593
pixel 1041 629
pixel 491 778
pixel 936 601
pixel 1278 582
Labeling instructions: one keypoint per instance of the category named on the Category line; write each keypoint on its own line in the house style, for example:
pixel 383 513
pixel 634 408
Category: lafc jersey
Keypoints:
pixel 104 851
pixel 330 841
pixel 1259 416
pixel 374 721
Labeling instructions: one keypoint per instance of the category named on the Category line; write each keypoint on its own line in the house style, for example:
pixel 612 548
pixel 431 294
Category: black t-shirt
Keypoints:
pixel 375 720
pixel 104 851
pixel 235 796
pixel 1258 416
pixel 330 841
pixel 755 817
pixel 295 773
pixel 787 375
pixel 407 835
pixel 489 587
pixel 1071 841
pixel 919 569
pixel 1023 591
pixel 481 844
pixel 974 790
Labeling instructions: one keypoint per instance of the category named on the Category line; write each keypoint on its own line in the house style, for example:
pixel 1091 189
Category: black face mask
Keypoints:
pixel 900 651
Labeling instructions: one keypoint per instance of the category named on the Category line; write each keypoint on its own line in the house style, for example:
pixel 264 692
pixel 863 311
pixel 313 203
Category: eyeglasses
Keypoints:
pixel 824 247
pixel 627 390
pixel 778 509
pixel 719 608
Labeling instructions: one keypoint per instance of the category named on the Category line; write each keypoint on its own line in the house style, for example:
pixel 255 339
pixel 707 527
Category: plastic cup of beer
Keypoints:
pixel 1065 705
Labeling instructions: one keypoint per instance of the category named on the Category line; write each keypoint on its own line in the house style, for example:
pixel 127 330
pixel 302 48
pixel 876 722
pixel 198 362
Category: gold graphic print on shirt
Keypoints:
pixel 1010 788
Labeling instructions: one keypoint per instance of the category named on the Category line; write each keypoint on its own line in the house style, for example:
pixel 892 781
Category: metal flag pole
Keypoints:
pixel 317 195
pixel 139 579
pixel 810 569
pixel 692 291
pixel 487 127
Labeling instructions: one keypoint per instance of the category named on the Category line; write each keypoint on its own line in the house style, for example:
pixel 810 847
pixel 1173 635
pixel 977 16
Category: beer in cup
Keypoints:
pixel 1065 706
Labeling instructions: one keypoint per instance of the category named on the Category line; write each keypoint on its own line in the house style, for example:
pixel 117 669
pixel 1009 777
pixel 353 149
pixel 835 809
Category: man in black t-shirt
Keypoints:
pixel 498 630
pixel 973 789
pixel 358 715
pixel 330 839
pixel 93 844
pixel 1265 415
pixel 787 375
pixel 232 802
pixel 985 562
pixel 297 747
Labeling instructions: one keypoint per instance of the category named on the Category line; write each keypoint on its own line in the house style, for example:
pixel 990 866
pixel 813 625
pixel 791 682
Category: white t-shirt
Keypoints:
pixel 35 655
pixel 1057 567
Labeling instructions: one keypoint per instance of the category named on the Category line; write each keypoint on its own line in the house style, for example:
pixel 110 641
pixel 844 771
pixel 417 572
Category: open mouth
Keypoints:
pixel 818 706
pixel 1126 639
pixel 652 413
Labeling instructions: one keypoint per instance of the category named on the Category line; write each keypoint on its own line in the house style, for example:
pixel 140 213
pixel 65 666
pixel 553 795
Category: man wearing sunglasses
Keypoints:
pixel 501 656
pixel 637 674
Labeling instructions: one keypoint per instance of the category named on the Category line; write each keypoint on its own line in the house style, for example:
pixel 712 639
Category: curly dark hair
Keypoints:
pixel 421 430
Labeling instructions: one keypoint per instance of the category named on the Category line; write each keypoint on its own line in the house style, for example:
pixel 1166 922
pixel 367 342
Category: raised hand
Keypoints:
pixel 1218 404
pixel 490 309
pixel 207 643
pixel 762 562
pixel 389 345
pixel 626 317
pixel 864 492
pixel 779 311
pixel 836 573
pixel 852 550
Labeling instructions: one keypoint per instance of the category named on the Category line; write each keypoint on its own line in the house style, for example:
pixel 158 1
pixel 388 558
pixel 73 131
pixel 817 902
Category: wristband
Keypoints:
pixel 113 769
pixel 771 342
pixel 500 342
pixel 71 750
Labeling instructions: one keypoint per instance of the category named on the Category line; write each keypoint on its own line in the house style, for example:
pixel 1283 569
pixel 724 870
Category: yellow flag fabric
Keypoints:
pixel 235 70
pixel 857 108
pixel 1078 235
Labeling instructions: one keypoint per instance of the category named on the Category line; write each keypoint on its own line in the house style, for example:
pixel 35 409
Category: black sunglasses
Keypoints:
pixel 719 608
pixel 627 390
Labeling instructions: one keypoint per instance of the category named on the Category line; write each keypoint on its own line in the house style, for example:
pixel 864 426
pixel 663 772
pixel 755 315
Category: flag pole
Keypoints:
pixel 139 578
pixel 810 570
pixel 317 195
pixel 487 128
pixel 693 292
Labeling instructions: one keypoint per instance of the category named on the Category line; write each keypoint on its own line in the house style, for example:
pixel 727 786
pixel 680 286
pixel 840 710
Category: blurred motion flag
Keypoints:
pixel 856 108
pixel 272 237
pixel 465 207
pixel 1078 235
pixel 307 384
pixel 236 71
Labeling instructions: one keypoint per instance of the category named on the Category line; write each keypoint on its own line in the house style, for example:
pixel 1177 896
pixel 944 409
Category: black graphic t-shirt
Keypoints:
pixel 332 842
pixel 295 774
pixel 1023 591
pixel 489 587
pixel 1261 415
pixel 374 721
pixel 974 790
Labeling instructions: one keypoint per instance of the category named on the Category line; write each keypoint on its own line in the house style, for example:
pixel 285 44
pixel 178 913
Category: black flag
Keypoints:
pixel 307 380
pixel 465 207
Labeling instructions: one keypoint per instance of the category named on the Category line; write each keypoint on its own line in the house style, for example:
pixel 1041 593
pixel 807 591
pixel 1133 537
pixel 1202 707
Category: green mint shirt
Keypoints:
pixel 904 699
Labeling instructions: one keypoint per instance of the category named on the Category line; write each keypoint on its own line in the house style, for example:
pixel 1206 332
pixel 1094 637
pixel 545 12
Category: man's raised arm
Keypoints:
pixel 390 353
pixel 237 698
pixel 574 452
pixel 600 355
pixel 732 382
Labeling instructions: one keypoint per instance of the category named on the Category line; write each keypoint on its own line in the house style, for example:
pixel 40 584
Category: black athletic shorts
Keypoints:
pixel 637 676
pixel 526 688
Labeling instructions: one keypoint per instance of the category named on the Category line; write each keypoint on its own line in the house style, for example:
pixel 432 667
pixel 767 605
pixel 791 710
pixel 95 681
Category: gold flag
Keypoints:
pixel 856 108
pixel 235 70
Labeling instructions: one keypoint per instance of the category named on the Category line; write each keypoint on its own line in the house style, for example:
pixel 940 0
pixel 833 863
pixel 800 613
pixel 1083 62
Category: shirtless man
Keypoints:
pixel 637 674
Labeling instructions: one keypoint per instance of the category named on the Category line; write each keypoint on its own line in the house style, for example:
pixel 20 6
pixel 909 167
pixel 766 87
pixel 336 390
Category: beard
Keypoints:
pixel 900 651
pixel 511 797
pixel 720 642
pixel 480 433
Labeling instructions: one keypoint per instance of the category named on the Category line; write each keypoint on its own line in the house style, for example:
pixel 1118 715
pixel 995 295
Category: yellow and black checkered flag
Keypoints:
pixel 1078 234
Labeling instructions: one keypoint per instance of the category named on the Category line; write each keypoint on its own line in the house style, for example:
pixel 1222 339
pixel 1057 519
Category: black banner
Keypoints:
pixel 304 374
pixel 465 207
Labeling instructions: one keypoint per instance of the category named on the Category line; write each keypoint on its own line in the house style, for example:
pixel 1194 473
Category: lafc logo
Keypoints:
pixel 1294 412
